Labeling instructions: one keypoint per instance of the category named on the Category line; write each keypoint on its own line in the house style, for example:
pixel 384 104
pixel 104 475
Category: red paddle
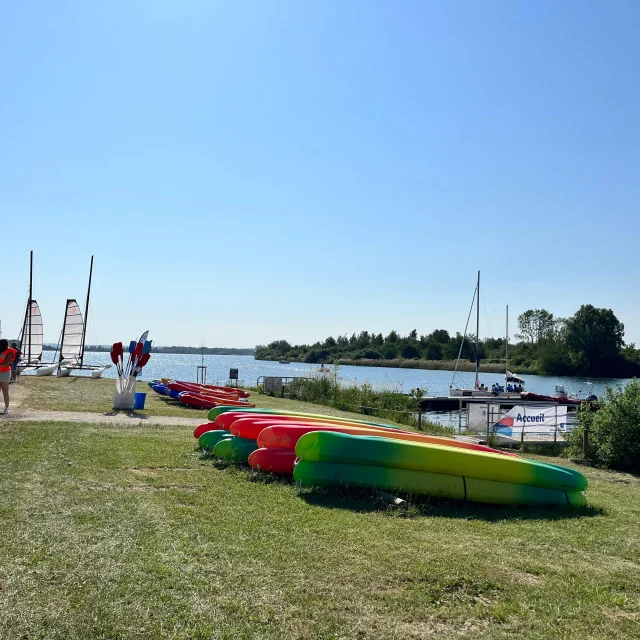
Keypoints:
pixel 141 363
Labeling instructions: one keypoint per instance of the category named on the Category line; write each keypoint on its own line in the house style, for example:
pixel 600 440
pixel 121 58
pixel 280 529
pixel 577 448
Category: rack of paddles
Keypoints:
pixel 201 396
pixel 321 450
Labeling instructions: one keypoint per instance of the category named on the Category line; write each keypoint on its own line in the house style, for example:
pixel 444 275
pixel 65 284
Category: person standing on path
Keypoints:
pixel 7 356
pixel 14 365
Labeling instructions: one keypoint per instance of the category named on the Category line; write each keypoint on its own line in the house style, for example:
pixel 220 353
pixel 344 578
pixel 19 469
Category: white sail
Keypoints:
pixel 71 347
pixel 31 345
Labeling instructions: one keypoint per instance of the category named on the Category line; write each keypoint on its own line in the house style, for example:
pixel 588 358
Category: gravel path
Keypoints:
pixel 120 418
pixel 18 414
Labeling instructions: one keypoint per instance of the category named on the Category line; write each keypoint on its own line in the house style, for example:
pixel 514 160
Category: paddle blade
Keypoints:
pixel 144 360
pixel 147 347
pixel 132 346
pixel 114 357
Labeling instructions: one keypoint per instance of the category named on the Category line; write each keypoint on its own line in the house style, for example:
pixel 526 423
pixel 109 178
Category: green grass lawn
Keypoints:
pixel 84 394
pixel 126 532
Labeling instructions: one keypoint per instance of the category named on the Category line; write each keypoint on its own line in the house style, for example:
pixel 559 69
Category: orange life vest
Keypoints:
pixel 7 357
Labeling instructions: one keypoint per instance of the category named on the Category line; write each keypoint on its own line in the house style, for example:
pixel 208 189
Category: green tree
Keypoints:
pixel 363 339
pixel 392 337
pixel 410 351
pixel 535 325
pixel 594 338
pixel 439 336
pixel 390 351
pixel 433 351
pixel 614 430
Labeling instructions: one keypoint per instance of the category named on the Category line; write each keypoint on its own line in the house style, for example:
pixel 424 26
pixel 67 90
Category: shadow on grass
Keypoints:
pixel 128 413
pixel 367 500
pixel 370 500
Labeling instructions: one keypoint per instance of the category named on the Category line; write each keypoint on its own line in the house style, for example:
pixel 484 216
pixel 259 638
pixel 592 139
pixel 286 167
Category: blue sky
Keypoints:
pixel 251 171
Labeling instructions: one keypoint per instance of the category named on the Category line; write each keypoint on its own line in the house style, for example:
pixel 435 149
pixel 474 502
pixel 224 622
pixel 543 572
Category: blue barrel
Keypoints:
pixel 138 400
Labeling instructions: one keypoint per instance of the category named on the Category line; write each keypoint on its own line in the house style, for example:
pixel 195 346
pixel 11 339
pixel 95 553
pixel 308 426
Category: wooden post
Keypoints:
pixel 459 416
pixel 419 419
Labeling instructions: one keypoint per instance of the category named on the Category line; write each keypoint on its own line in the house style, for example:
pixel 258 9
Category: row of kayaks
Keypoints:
pixel 201 396
pixel 320 450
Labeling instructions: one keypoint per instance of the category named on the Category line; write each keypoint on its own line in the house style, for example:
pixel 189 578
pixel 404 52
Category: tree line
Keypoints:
pixel 591 343
pixel 207 351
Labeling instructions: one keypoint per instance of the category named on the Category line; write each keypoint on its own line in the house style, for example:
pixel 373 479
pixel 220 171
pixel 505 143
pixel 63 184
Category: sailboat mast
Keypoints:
pixel 477 334
pixel 64 327
pixel 29 308
pixel 506 357
pixel 86 314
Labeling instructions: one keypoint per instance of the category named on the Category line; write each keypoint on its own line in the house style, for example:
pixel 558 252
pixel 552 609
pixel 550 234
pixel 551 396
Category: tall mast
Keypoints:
pixel 506 358
pixel 29 308
pixel 478 333
pixel 64 326
pixel 86 313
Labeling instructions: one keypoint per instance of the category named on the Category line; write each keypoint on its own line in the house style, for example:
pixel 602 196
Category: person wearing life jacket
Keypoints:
pixel 7 356
pixel 15 372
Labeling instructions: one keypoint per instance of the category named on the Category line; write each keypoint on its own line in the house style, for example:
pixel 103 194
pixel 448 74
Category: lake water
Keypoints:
pixel 183 367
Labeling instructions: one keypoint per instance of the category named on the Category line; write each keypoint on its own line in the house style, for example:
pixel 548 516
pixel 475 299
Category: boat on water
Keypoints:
pixel 513 384
pixel 284 361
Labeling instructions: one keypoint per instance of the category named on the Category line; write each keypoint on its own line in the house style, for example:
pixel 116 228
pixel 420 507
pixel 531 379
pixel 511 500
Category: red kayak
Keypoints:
pixel 203 428
pixel 529 395
pixel 273 460
pixel 198 401
pixel 251 427
pixel 183 386
pixel 286 436
pixel 202 388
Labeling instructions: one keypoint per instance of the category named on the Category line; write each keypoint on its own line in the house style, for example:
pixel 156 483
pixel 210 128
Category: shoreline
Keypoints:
pixel 429 365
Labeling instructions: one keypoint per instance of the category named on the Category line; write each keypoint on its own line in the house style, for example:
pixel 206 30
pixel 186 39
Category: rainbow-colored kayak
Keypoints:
pixel 234 449
pixel 329 458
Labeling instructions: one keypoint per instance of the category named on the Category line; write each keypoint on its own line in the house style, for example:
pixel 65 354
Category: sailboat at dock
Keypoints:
pixel 480 391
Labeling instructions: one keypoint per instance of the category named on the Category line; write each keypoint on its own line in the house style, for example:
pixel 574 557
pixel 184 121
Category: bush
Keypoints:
pixel 614 430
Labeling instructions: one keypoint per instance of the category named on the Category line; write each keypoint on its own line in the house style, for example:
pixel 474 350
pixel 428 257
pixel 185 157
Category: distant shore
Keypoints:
pixel 433 365
pixel 207 351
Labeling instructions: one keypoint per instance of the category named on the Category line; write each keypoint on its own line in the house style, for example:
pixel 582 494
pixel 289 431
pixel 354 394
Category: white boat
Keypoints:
pixel 479 390
pixel 31 337
pixel 72 340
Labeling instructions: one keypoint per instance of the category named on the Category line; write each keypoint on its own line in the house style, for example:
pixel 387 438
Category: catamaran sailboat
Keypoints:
pixel 511 381
pixel 72 340
pixel 31 333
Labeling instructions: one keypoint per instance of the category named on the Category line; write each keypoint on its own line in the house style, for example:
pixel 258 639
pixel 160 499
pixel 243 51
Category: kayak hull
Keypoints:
pixel 273 460
pixel 432 484
pixel 329 446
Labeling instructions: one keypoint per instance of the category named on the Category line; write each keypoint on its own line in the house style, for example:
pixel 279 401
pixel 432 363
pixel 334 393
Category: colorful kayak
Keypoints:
pixel 235 449
pixel 210 439
pixel 432 484
pixel 251 427
pixel 226 419
pixel 329 446
pixel 209 387
pixel 273 460
pixel 286 436
pixel 203 428
pixel 205 402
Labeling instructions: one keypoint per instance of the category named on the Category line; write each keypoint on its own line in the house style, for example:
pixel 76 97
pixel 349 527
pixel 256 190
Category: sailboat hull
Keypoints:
pixel 46 371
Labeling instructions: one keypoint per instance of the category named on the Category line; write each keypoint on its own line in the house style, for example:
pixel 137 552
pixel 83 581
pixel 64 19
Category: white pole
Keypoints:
pixel 477 335
pixel 506 360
